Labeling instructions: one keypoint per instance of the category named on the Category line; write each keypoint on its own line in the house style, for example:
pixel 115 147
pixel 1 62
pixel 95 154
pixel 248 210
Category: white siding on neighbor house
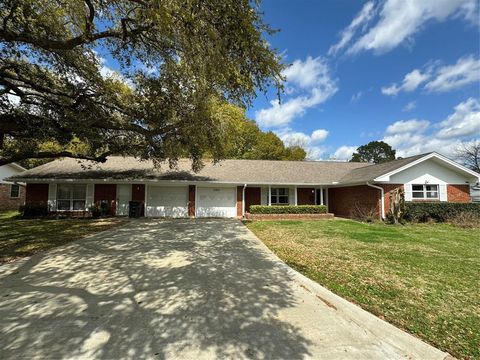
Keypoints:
pixel 7 171
pixel 430 172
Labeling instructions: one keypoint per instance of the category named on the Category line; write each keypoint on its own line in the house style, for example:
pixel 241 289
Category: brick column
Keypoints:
pixel 239 201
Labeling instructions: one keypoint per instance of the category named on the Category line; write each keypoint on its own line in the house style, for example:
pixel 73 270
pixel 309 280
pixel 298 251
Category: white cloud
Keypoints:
pixel 410 106
pixel 407 126
pixel 362 18
pixel 309 142
pixel 319 135
pixel 410 82
pixel 344 152
pixel 465 71
pixel 398 21
pixel 465 121
pixel 410 137
pixel 355 97
pixel 439 78
pixel 311 80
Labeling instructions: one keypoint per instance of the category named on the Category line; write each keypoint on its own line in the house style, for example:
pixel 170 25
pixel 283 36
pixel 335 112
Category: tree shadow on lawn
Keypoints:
pixel 152 289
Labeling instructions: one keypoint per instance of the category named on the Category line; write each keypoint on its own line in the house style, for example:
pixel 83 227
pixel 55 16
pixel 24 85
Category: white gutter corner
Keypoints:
pixel 382 198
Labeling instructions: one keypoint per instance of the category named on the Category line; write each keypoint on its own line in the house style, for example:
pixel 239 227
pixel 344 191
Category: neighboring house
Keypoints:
pixel 12 195
pixel 230 187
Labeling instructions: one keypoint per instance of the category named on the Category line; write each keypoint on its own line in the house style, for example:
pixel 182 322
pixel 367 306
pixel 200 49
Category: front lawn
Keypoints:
pixel 25 237
pixel 424 278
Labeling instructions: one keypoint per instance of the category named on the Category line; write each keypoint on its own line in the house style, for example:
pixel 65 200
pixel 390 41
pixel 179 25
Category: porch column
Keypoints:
pixel 321 195
pixel 295 195
pixel 269 195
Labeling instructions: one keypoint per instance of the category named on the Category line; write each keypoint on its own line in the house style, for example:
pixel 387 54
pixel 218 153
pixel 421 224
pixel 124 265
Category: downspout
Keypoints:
pixel 243 201
pixel 382 198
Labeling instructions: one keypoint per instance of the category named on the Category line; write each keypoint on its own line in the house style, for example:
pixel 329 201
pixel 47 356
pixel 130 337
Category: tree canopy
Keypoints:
pixel 175 59
pixel 243 139
pixel 374 152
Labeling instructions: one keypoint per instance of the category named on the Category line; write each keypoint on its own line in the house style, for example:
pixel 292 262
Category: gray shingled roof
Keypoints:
pixel 371 172
pixel 231 171
pixel 237 171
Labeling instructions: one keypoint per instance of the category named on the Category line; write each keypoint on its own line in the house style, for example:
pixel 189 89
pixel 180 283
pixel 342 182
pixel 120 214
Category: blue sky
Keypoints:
pixel 406 72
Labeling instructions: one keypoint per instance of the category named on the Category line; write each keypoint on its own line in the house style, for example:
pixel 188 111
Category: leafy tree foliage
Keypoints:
pixel 175 59
pixel 244 139
pixel 469 155
pixel 375 152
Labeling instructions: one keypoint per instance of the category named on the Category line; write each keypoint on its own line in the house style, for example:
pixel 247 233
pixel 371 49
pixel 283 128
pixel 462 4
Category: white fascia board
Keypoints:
pixel 152 181
pixel 386 177
pixel 16 166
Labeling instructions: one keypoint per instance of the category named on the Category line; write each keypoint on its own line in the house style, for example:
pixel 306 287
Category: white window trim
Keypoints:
pixel 272 195
pixel 71 199
pixel 424 191
pixel 14 197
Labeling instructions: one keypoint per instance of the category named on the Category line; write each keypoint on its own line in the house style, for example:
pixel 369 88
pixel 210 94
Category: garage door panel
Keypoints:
pixel 167 201
pixel 216 202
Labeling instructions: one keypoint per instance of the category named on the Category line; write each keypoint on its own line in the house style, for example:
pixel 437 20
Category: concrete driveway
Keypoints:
pixel 187 289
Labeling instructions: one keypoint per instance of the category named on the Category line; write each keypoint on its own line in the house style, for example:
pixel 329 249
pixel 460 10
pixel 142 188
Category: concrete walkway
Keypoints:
pixel 186 289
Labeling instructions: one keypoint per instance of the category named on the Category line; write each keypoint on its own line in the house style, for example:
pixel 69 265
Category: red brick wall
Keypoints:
pixel 342 201
pixel 36 194
pixel 8 203
pixel 305 196
pixel 191 200
pixel 458 193
pixel 239 200
pixel 386 189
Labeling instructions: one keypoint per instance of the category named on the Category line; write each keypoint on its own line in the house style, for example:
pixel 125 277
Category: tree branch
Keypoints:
pixel 53 154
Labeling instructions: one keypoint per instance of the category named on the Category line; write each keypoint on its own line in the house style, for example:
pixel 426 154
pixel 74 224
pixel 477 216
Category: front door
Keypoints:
pixel 253 196
pixel 124 192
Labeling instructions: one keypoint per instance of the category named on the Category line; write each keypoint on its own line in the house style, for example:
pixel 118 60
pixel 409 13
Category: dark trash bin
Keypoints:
pixel 134 209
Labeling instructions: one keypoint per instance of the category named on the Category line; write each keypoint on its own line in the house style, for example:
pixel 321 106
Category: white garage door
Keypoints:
pixel 167 201
pixel 216 202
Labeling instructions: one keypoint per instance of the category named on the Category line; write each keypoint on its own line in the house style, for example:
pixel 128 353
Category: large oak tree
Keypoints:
pixel 176 58
pixel 375 152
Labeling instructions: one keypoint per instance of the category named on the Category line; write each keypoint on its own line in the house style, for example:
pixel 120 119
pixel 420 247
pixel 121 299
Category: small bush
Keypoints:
pixel 438 211
pixel 34 210
pixel 466 220
pixel 288 209
pixel 363 213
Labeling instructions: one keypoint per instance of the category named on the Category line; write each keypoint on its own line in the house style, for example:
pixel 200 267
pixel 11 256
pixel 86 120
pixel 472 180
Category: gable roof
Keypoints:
pixel 228 171
pixel 118 168
pixel 370 173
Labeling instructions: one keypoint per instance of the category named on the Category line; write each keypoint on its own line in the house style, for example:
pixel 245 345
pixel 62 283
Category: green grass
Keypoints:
pixel 424 278
pixel 25 237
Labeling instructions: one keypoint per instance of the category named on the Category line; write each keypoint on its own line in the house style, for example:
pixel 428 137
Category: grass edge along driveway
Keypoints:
pixel 25 237
pixel 422 278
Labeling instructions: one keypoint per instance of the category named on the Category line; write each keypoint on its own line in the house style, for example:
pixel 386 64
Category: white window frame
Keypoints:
pixel 18 191
pixel 71 199
pixel 275 196
pixel 424 192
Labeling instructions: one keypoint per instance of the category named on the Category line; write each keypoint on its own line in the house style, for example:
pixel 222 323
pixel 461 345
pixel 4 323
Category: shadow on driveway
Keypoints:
pixel 151 289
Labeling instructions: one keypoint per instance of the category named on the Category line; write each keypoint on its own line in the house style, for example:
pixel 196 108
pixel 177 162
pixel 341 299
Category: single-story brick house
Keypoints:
pixel 12 195
pixel 230 187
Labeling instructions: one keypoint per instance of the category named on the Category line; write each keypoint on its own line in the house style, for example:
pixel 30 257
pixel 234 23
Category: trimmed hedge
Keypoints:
pixel 288 209
pixel 438 211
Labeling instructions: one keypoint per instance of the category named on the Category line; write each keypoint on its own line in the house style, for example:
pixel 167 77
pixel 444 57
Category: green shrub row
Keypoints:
pixel 288 209
pixel 439 211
